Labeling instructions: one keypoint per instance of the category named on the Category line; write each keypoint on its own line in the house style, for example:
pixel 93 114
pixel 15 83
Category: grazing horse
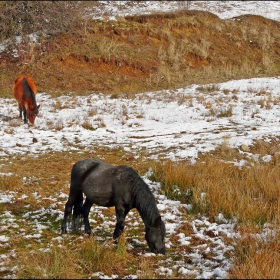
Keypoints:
pixel 24 93
pixel 120 186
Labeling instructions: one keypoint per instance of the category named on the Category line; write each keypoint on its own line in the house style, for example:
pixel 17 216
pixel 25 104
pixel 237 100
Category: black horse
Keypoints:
pixel 120 186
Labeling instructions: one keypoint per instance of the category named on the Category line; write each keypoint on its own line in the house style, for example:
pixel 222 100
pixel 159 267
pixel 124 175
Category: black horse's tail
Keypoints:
pixel 73 208
pixel 79 173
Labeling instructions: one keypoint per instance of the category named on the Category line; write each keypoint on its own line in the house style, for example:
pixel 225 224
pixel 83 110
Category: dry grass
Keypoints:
pixel 100 257
pixel 250 195
pixel 213 185
pixel 66 261
pixel 75 257
pixel 9 182
pixel 257 258
pixel 144 53
pixel 55 263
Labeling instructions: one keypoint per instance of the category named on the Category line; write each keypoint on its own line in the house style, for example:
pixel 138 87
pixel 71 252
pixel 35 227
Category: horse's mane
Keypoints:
pixel 26 83
pixel 144 200
pixel 31 84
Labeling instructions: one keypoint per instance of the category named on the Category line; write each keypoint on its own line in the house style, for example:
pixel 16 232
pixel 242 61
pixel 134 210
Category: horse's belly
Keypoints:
pixel 102 201
pixel 99 197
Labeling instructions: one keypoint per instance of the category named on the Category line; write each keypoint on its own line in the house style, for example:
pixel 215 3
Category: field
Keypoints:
pixel 134 92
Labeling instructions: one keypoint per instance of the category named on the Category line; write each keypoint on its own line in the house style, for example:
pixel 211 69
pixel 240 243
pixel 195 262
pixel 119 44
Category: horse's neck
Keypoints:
pixel 145 204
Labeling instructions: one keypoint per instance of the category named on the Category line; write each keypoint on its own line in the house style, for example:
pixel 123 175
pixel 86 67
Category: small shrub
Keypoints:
pixel 225 113
pixel 87 125
pixel 208 88
pixel 9 182
pixel 114 96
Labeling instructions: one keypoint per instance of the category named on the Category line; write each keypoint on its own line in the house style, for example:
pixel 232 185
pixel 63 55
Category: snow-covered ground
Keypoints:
pixel 223 9
pixel 175 124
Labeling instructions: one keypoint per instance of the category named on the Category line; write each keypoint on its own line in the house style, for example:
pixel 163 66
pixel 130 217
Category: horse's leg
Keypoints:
pixel 85 211
pixel 24 115
pixel 77 211
pixel 20 110
pixel 121 212
pixel 68 210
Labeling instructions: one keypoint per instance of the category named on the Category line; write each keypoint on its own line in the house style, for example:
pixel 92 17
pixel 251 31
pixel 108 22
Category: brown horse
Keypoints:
pixel 24 93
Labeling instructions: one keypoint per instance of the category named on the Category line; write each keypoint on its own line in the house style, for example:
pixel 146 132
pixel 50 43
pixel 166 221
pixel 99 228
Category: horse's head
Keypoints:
pixel 32 113
pixel 155 236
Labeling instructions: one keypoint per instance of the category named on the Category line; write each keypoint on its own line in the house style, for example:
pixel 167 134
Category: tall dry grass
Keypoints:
pixel 249 194
pixel 84 259
pixel 256 258
pixel 56 263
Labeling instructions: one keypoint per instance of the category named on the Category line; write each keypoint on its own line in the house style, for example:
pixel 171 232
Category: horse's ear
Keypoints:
pixel 38 107
pixel 158 222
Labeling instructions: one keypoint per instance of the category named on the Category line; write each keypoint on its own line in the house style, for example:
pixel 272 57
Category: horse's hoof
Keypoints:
pixel 116 236
pixel 64 235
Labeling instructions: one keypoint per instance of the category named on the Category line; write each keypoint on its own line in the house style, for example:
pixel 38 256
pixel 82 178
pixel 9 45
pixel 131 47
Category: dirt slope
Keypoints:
pixel 151 52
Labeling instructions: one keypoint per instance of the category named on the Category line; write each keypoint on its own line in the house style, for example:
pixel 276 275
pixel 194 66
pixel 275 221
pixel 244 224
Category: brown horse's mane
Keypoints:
pixel 30 83
pixel 30 91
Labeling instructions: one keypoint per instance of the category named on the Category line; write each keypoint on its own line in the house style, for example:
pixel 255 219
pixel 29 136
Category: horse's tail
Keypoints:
pixel 79 173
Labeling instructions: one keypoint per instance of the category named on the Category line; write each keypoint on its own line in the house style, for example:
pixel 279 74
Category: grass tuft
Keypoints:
pixel 256 258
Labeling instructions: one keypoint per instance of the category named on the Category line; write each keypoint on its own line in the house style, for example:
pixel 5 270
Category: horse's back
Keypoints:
pixel 19 87
pixel 96 167
pixel 99 181
pixel 88 164
pixel 86 167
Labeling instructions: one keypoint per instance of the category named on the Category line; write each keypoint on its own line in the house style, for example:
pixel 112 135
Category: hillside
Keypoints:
pixel 146 52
